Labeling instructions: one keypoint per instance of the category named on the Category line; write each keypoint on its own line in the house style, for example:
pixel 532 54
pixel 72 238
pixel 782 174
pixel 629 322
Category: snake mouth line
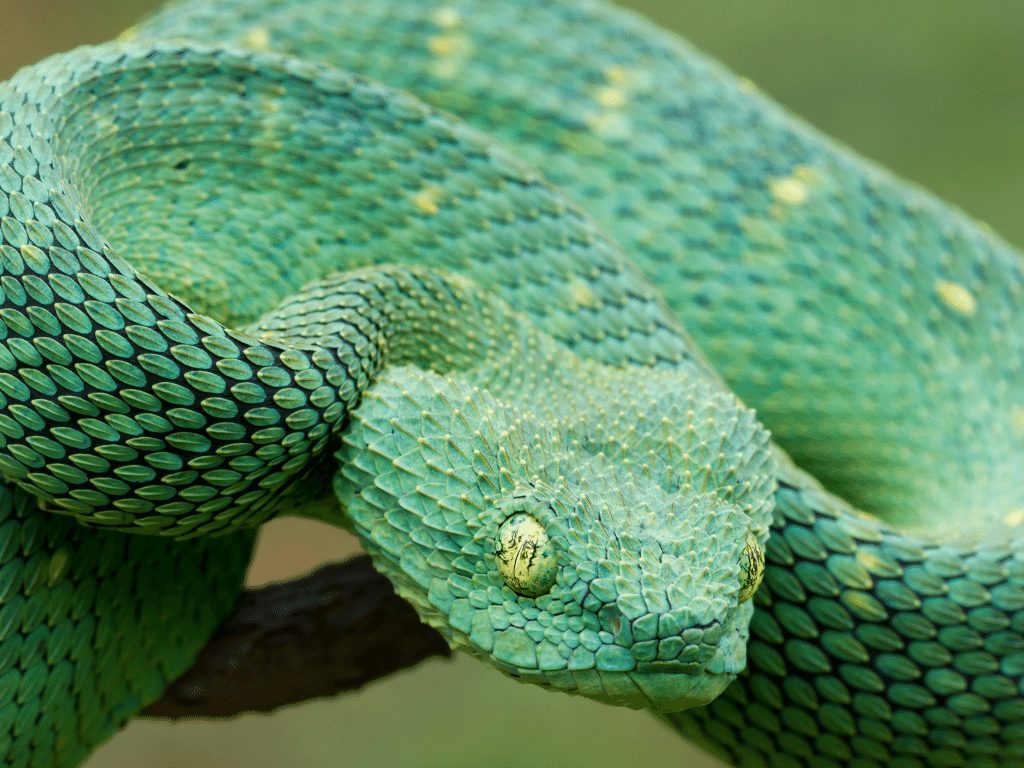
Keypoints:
pixel 661 685
pixel 661 691
pixel 676 691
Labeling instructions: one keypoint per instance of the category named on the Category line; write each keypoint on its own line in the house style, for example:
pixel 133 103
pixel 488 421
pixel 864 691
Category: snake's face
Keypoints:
pixel 605 544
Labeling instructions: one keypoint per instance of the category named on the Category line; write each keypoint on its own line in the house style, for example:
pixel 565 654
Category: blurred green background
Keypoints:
pixel 930 88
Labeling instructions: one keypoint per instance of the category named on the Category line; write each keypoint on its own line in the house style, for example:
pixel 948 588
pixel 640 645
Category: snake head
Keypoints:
pixel 607 550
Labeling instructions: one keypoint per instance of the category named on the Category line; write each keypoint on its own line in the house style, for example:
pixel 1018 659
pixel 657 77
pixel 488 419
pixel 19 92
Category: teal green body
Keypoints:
pixel 90 630
pixel 521 363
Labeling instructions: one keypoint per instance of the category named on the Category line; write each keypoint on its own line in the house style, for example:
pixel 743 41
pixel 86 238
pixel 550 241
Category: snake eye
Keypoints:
pixel 526 559
pixel 751 568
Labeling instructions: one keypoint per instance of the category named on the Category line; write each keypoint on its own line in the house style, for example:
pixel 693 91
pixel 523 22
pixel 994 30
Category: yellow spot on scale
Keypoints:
pixel 1014 517
pixel 747 85
pixel 956 297
pixel 804 173
pixel 789 190
pixel 129 34
pixel 426 201
pixel 582 296
pixel 611 97
pixel 616 75
pixel 443 45
pixel 447 17
pixel 257 38
pixel 1017 419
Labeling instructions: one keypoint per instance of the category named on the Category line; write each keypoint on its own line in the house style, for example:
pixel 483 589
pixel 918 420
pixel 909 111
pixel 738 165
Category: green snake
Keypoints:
pixel 238 282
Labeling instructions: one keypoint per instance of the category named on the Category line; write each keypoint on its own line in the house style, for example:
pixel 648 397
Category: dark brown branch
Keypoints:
pixel 334 630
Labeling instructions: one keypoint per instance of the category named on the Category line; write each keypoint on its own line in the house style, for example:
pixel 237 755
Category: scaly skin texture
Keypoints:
pixel 876 332
pixel 90 630
pixel 131 409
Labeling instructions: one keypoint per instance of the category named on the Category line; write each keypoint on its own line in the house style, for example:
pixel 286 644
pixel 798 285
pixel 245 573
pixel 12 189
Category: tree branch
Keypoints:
pixel 334 630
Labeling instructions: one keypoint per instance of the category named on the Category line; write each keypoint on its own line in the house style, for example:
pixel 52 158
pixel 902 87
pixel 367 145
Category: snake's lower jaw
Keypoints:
pixel 672 692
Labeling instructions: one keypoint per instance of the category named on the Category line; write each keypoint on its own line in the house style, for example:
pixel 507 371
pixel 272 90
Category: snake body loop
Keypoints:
pixel 237 282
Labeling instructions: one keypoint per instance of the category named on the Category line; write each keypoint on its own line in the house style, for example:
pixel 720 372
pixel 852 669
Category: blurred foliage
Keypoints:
pixel 930 88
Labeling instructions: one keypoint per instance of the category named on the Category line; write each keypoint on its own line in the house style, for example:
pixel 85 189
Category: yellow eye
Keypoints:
pixel 526 559
pixel 751 568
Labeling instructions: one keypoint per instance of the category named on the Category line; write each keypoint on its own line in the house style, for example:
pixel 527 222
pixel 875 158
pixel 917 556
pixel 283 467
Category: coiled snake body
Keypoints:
pixel 232 278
